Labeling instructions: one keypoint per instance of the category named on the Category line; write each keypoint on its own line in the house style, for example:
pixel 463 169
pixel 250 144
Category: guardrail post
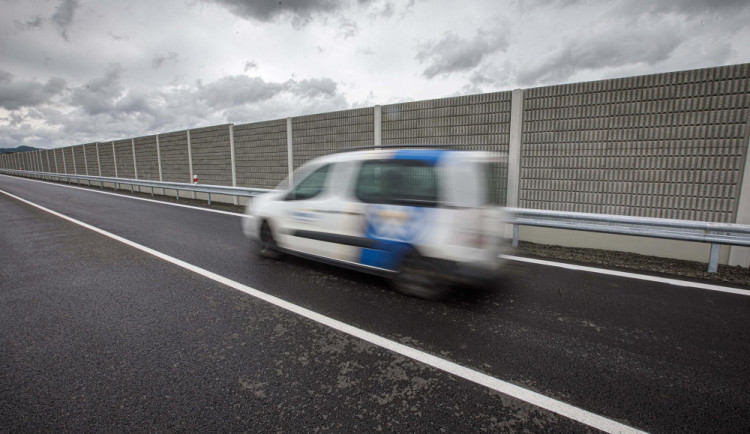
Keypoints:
pixel 713 259
pixel 515 235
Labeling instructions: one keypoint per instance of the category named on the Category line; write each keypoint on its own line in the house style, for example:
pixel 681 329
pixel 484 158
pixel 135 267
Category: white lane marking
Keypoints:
pixel 675 282
pixel 534 398
pixel 93 190
pixel 668 281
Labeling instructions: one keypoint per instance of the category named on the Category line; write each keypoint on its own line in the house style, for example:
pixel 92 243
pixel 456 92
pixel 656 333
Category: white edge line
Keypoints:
pixel 94 190
pixel 676 282
pixel 534 398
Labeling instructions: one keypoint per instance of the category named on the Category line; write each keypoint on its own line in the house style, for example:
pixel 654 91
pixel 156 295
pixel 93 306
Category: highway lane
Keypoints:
pixel 653 356
pixel 99 337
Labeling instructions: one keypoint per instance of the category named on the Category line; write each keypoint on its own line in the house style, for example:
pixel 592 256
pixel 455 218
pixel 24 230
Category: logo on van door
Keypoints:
pixel 304 216
pixel 399 223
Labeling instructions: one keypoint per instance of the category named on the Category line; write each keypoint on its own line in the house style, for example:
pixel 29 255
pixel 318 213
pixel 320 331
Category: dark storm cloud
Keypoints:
pixel 237 90
pixel 32 23
pixel 625 8
pixel 610 50
pixel 100 94
pixel 63 16
pixel 159 61
pixel 348 28
pixel 452 54
pixel 15 94
pixel 299 12
pixel 250 65
pixel 684 7
pixel 315 87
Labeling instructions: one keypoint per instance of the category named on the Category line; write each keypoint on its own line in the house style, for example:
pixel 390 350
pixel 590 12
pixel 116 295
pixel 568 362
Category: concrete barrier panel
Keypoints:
pixel 261 154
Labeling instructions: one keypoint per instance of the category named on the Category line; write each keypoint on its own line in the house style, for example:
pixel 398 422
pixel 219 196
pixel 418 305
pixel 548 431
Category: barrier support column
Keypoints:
pixel 741 255
pixel 99 165
pixel 377 119
pixel 158 162
pixel 290 151
pixel 514 157
pixel 135 165
pixel 190 161
pixel 234 163
pixel 114 159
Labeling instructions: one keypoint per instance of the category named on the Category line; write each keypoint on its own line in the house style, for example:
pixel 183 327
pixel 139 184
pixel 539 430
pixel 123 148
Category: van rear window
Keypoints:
pixel 397 182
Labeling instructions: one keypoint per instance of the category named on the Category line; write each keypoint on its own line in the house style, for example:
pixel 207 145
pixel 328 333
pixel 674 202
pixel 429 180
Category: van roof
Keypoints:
pixel 403 151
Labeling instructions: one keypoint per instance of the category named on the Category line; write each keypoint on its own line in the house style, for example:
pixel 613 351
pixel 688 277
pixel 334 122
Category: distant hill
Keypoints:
pixel 18 149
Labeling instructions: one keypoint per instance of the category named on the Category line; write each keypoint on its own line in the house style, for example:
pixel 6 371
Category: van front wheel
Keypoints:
pixel 268 247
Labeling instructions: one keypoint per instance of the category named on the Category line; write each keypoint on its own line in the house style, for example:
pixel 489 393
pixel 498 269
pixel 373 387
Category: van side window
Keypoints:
pixel 311 186
pixel 397 182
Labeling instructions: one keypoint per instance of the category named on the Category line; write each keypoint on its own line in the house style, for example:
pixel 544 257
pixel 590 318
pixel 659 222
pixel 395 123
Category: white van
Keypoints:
pixel 424 217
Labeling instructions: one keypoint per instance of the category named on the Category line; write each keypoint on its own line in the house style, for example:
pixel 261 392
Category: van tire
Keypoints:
pixel 268 247
pixel 418 277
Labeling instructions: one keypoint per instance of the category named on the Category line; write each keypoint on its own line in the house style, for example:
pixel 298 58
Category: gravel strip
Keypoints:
pixel 734 276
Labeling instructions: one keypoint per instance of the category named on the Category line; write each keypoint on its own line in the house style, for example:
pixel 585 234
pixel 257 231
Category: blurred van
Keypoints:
pixel 427 218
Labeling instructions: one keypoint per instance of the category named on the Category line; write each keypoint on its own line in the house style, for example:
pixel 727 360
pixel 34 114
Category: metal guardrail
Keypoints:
pixel 685 230
pixel 117 182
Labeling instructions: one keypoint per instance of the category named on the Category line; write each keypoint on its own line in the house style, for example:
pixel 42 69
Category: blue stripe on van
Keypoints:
pixel 430 156
pixel 389 246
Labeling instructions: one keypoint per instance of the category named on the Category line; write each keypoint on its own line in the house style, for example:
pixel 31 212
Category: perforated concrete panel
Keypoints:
pixel 261 154
pixel 174 157
pixel 58 153
pixel 107 159
pixel 124 159
pixel 475 122
pixel 91 163
pixel 326 133
pixel 211 155
pixel 146 158
pixel 666 145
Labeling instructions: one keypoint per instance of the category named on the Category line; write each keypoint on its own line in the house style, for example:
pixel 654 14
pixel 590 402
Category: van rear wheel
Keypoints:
pixel 419 277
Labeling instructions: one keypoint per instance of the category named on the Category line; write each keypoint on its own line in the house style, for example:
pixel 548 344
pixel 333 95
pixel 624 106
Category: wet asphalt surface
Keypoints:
pixel 98 336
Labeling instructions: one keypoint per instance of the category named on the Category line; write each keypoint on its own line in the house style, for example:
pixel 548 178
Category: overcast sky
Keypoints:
pixel 79 71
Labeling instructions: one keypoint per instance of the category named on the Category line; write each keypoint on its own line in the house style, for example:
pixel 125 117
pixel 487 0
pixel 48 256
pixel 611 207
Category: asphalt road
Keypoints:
pixel 99 336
